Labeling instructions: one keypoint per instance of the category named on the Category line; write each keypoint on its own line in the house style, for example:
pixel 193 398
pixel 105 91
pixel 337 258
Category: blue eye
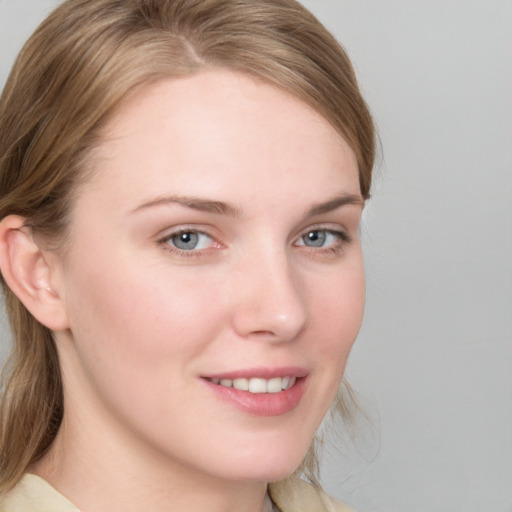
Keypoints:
pixel 322 238
pixel 190 240
pixel 314 238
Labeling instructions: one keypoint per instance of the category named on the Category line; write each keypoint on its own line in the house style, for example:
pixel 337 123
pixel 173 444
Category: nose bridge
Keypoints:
pixel 271 302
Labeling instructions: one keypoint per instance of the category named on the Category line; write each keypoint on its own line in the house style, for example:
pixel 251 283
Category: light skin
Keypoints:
pixel 262 197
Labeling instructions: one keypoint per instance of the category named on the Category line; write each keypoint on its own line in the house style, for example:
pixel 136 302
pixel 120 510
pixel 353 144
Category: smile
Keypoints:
pixel 257 384
pixel 262 391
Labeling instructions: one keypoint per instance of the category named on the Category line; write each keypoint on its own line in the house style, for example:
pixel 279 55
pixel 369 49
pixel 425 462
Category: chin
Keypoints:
pixel 269 465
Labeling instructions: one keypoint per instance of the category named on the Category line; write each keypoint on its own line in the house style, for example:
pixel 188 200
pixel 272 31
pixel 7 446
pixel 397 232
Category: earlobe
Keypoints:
pixel 26 271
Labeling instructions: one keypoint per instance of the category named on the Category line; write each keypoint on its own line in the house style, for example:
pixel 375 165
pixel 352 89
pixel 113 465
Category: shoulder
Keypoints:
pixel 295 495
pixel 34 494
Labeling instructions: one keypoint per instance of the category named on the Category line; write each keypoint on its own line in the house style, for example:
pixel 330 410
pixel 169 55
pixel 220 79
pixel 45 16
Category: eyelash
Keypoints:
pixel 343 239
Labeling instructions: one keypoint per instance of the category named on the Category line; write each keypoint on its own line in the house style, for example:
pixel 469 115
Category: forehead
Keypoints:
pixel 222 130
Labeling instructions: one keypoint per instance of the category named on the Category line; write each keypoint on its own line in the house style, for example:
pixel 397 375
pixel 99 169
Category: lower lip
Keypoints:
pixel 262 404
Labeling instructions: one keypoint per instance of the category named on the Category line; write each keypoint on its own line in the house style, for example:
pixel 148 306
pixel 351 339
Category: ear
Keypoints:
pixel 26 270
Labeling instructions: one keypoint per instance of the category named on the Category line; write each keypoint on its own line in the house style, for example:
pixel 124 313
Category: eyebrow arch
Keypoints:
pixel 221 208
pixel 196 203
pixel 334 203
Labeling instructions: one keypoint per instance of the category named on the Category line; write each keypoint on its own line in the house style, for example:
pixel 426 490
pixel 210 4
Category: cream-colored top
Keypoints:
pixel 33 494
pixel 295 495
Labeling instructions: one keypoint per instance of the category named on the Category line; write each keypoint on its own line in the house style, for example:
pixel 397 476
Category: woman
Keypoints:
pixel 181 188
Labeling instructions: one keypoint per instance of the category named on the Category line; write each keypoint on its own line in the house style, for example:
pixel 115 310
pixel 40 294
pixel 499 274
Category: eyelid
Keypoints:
pixel 336 229
pixel 185 228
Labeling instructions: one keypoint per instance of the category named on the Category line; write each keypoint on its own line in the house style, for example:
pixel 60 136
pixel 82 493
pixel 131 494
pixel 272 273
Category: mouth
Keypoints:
pixel 257 384
pixel 260 392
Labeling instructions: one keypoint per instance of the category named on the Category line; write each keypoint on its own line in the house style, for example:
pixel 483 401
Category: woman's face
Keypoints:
pixel 215 248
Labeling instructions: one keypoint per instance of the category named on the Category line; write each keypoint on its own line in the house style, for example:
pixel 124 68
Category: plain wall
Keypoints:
pixel 433 363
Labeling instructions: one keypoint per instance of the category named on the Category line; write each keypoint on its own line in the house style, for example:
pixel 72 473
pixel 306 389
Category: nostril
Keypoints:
pixel 263 333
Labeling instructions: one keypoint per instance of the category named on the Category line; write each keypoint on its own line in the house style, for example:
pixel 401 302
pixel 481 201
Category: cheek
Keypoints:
pixel 136 322
pixel 338 307
pixel 137 339
pixel 336 319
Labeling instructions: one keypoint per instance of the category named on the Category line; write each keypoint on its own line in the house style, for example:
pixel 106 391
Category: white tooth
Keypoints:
pixel 242 384
pixel 285 382
pixel 292 382
pixel 257 385
pixel 274 385
pixel 215 381
pixel 227 383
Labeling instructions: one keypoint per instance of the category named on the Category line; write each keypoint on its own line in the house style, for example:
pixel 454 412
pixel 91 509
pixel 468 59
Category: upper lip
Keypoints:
pixel 261 372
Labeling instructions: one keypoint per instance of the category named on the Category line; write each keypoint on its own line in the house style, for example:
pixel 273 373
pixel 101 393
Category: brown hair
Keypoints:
pixel 71 74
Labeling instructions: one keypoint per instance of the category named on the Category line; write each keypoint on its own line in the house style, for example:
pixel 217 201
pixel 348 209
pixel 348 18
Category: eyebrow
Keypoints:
pixel 222 208
pixel 334 203
pixel 195 203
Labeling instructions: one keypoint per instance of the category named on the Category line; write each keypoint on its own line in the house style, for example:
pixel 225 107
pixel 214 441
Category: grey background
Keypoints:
pixel 433 364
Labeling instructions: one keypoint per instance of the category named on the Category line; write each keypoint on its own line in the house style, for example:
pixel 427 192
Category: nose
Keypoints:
pixel 269 302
